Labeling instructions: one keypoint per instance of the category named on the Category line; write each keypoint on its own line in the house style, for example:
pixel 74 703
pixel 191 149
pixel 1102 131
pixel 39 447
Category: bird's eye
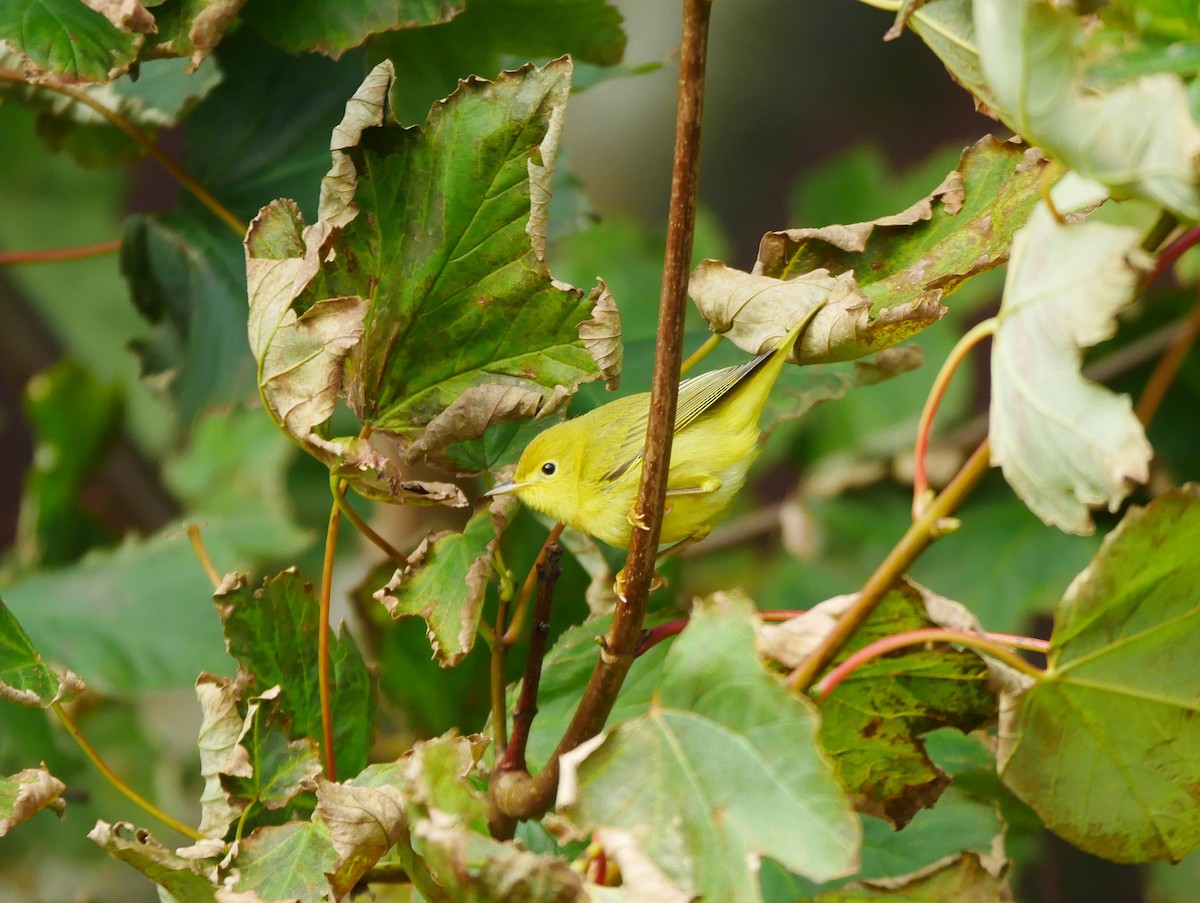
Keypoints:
pixel 548 468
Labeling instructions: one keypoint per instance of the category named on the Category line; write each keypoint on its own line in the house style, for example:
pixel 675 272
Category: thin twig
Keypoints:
pixel 526 707
pixel 201 552
pixel 700 354
pixel 55 255
pixel 366 529
pixel 1168 366
pixel 516 795
pixel 923 531
pixel 182 176
pixel 941 382
pixel 323 629
pixel 111 777
pixel 513 631
pixel 994 644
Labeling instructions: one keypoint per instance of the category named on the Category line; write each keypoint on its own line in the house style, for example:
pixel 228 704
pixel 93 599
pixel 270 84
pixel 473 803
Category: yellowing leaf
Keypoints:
pixel 1065 443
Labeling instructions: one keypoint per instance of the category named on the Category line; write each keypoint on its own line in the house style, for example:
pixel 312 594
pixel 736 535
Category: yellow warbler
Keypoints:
pixel 585 472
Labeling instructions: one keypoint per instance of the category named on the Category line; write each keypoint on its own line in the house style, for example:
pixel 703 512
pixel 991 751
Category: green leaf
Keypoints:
pixel 444 584
pixel 75 419
pixel 333 29
pixel 1033 57
pixel 723 769
pixel 187 277
pixel 958 824
pixel 264 132
pixel 473 278
pixel 24 678
pixel 964 228
pixel 872 722
pixel 272 632
pixel 191 28
pixel 1106 746
pixel 487 36
pixel 186 880
pixel 26 793
pixel 286 861
pixel 65 39
pixel 1065 443
pixel 265 768
pixel 883 280
pixel 565 672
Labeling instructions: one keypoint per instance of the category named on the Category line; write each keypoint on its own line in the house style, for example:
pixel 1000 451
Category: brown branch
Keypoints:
pixel 519 796
pixel 548 572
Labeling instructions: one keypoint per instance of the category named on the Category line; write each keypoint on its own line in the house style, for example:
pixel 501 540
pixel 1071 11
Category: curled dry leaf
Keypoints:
pixel 300 355
pixel 375 475
pixel 774 249
pixel 27 792
pixel 220 730
pixel 602 335
pixel 1064 443
pixel 476 409
pixel 127 15
pixel 755 311
pixel 364 823
pixel 366 109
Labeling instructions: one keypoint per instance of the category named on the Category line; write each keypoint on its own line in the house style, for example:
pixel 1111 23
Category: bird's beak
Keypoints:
pixel 504 489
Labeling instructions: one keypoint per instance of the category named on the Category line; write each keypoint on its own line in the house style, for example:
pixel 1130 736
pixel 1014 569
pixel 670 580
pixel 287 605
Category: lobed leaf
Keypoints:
pixel 444 583
pixel 872 723
pixel 723 770
pixel 475 269
pixel 1065 443
pixel 1106 746
pixel 272 632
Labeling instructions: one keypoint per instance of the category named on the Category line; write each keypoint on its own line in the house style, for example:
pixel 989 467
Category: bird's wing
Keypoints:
pixel 696 395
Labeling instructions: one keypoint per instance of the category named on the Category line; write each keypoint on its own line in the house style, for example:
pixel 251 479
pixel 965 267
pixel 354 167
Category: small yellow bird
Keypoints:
pixel 585 472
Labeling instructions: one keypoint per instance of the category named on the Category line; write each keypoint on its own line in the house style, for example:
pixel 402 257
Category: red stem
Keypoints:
pixel 54 255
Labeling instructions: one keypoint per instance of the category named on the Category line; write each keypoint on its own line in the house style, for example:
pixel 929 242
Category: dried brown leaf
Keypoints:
pixel 366 109
pixel 220 731
pixel 602 335
pixel 37 789
pixel 480 407
pixel 755 311
pixel 364 823
pixel 127 15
